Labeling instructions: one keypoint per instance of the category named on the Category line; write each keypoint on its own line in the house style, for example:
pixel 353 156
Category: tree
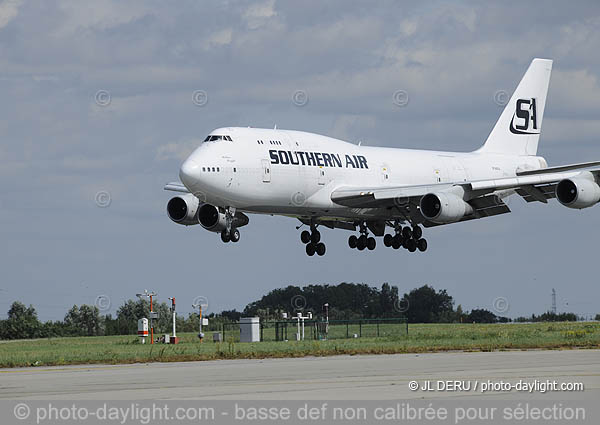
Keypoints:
pixel 346 301
pixel 482 316
pixel 388 300
pixel 131 311
pixel 425 305
pixel 597 317
pixel 460 315
pixel 231 315
pixel 22 322
pixel 128 315
pixel 84 320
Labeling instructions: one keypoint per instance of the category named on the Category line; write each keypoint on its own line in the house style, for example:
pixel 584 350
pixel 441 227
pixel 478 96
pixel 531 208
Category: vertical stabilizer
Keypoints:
pixel 517 132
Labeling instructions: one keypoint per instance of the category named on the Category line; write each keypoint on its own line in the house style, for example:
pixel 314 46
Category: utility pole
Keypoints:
pixel 174 317
pixel 199 307
pixel 326 308
pixel 149 295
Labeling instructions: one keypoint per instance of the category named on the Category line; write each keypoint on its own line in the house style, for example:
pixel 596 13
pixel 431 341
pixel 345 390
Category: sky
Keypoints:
pixel 102 101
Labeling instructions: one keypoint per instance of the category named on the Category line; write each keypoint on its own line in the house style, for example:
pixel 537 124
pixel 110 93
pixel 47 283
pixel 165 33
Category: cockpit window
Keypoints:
pixel 214 138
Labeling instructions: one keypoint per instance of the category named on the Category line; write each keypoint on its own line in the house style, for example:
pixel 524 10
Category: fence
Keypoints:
pixel 285 330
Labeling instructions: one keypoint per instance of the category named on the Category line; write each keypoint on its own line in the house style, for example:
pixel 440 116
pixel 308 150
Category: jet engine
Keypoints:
pixel 578 192
pixel 444 207
pixel 183 209
pixel 215 219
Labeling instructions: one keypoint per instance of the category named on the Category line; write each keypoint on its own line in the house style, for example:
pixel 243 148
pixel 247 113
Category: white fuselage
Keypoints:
pixel 294 173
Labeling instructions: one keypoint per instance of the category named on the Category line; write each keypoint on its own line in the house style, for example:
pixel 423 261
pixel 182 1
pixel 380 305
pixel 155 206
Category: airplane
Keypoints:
pixel 329 183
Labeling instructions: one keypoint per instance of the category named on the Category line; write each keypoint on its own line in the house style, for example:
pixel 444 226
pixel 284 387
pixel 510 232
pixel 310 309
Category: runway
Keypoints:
pixel 380 377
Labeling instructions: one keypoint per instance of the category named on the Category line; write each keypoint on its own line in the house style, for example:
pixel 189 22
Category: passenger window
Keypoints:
pixel 213 169
pixel 203 169
pixel 218 170
pixel 234 170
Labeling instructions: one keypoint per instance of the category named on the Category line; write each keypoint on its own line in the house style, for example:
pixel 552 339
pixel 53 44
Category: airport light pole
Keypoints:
pixel 149 295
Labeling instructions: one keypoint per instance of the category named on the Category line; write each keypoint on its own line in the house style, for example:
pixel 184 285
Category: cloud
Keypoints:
pixel 219 38
pixel 258 15
pixel 82 16
pixel 177 150
pixel 9 9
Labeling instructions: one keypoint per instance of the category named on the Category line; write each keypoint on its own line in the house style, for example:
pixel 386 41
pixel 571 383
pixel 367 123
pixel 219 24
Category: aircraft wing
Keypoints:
pixel 176 187
pixel 482 195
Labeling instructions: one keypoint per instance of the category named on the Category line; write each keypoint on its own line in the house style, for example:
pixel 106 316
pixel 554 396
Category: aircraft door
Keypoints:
pixel 321 176
pixel 266 171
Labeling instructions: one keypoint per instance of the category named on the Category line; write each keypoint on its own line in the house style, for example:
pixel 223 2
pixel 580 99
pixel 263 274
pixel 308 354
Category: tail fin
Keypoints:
pixel 517 132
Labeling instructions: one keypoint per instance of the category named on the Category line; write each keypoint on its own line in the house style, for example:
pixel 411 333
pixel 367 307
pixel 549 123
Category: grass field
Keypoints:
pixel 421 338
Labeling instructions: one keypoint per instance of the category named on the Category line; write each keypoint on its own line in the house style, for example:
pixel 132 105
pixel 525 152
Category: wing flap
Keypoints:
pixel 547 191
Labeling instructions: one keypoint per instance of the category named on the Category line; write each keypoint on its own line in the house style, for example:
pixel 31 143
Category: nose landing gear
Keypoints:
pixel 230 233
pixel 313 243
pixel 232 236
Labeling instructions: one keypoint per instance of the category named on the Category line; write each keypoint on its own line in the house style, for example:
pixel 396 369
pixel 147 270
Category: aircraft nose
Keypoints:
pixel 189 173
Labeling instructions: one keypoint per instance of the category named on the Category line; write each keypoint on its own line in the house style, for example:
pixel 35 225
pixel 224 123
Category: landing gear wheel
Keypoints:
pixel 362 243
pixel 352 241
pixel 315 237
pixel 310 249
pixel 406 233
pixel 411 245
pixel 388 240
pixel 225 237
pixel 371 243
pixel 417 232
pixel 422 245
pixel 320 249
pixel 396 242
pixel 305 236
pixel 234 235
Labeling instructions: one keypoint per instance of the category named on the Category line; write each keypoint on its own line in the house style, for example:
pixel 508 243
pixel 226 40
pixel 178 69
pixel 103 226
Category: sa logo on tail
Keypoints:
pixel 526 113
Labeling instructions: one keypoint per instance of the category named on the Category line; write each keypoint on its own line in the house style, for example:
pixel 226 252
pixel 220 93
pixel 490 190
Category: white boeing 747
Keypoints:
pixel 326 182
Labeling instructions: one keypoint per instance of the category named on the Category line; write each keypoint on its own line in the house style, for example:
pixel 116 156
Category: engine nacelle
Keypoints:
pixel 215 220
pixel 444 207
pixel 578 192
pixel 183 209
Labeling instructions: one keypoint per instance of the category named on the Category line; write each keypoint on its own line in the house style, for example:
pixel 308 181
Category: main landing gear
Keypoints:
pixel 408 238
pixel 313 242
pixel 363 241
